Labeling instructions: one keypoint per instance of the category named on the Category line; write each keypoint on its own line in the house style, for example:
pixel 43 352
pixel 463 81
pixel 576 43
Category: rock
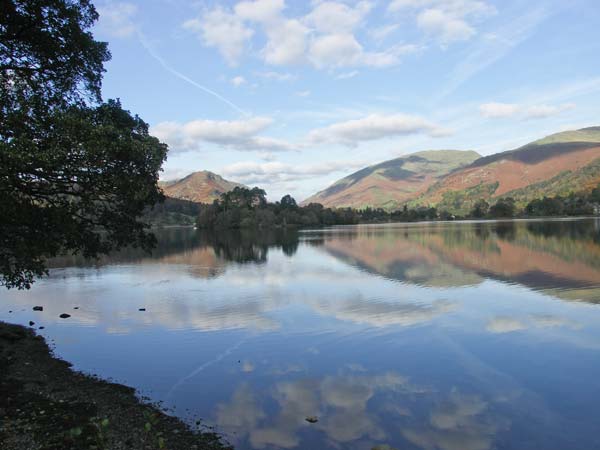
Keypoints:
pixel 38 308
pixel 312 419
pixel 31 323
pixel 142 309
pixel 75 307
pixel 41 328
pixel 64 316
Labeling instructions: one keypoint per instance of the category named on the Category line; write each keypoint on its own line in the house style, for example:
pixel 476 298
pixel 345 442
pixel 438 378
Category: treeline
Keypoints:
pixel 581 204
pixel 248 208
pixel 244 208
pixel 173 211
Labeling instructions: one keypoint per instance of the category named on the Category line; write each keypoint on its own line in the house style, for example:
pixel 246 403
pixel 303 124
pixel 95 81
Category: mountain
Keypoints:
pixel 200 187
pixel 392 183
pixel 555 165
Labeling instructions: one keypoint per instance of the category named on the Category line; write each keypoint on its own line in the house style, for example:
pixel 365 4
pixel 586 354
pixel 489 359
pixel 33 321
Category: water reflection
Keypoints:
pixel 554 256
pixel 434 336
pixel 341 402
pixel 557 257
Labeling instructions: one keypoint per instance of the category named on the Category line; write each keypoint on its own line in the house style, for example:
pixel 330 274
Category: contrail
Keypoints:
pixel 184 77
pixel 203 366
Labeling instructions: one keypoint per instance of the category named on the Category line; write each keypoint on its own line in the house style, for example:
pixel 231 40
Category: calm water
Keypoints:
pixel 459 336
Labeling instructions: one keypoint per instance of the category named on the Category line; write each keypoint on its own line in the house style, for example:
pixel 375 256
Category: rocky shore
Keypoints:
pixel 45 405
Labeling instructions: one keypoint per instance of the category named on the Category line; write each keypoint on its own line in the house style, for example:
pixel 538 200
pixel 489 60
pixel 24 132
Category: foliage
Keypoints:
pixel 504 207
pixel 248 208
pixel 75 174
pixel 254 214
pixel 461 202
pixel 173 211
pixel 480 209
pixel 242 212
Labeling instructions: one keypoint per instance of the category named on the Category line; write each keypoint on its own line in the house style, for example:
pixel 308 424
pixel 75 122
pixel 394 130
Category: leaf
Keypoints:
pixel 148 426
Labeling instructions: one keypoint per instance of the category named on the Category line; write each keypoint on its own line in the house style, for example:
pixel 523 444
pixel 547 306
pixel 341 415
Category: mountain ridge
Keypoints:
pixel 389 183
pixel 202 187
pixel 557 164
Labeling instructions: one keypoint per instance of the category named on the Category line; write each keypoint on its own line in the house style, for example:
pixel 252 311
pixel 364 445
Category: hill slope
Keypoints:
pixel 200 187
pixel 555 165
pixel 392 183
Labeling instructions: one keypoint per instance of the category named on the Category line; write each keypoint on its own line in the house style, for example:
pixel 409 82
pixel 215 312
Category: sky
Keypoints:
pixel 293 95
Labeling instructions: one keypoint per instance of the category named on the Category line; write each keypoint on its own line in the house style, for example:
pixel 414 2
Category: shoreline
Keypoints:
pixel 45 404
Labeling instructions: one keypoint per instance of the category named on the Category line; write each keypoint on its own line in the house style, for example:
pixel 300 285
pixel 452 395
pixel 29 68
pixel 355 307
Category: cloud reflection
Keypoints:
pixel 460 422
pixel 341 402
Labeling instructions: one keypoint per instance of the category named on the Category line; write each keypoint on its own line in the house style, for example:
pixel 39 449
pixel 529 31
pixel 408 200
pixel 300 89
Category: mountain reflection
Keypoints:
pixel 556 257
pixel 561 258
pixel 208 249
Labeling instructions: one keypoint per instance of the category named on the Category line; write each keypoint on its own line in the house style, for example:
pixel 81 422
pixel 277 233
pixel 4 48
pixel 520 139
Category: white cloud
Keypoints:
pixel 496 110
pixel 116 19
pixel 251 172
pixel 222 30
pixel 238 81
pixel 343 50
pixel 375 126
pixel 446 20
pixel 328 16
pixel 446 26
pixel 286 43
pixel 381 33
pixel 346 75
pixel 543 111
pixel 237 134
pixel 278 76
pixel 337 50
pixel 260 10
pixel 324 37
pixel 303 93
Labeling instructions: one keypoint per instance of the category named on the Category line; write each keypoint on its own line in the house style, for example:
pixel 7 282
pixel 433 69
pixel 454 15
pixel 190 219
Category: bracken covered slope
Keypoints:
pixel 201 187
pixel 392 183
pixel 555 165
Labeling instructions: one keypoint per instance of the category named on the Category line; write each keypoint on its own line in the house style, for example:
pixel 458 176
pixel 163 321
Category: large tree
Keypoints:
pixel 75 173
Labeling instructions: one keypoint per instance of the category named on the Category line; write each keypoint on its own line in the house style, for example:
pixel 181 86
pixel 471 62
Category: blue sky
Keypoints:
pixel 292 96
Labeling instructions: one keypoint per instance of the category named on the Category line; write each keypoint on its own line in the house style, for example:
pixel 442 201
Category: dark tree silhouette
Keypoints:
pixel 75 173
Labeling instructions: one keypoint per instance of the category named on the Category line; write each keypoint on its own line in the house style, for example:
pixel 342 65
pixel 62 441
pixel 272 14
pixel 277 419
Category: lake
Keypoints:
pixel 451 336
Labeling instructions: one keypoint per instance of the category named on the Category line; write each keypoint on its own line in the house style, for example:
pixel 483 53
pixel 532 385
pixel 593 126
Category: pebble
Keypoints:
pixel 64 316
pixel 31 323
pixel 142 309
pixel 38 308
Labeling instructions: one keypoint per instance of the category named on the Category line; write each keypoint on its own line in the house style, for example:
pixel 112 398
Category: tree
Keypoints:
pixel 595 194
pixel 240 197
pixel 480 209
pixel 75 174
pixel 504 207
pixel 287 201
